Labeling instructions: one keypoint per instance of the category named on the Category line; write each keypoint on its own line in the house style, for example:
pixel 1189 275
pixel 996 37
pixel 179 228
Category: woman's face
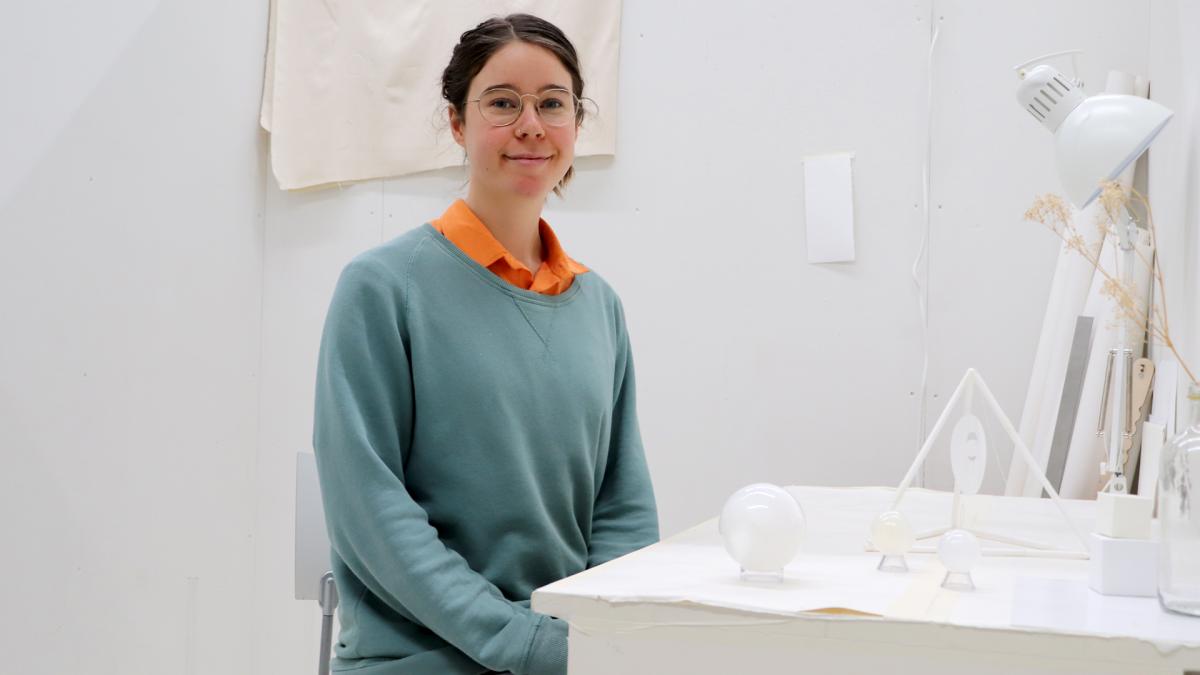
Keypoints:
pixel 528 157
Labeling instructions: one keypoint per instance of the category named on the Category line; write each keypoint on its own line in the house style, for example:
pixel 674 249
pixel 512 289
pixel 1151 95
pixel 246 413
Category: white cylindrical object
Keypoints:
pixel 1120 82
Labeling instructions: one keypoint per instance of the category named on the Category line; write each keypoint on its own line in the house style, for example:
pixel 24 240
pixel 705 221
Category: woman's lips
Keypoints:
pixel 527 160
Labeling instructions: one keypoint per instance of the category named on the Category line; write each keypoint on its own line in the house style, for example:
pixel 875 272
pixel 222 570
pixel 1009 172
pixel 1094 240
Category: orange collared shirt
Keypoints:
pixel 466 231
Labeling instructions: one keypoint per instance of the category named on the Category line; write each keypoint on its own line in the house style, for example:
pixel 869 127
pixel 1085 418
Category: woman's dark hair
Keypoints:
pixel 477 45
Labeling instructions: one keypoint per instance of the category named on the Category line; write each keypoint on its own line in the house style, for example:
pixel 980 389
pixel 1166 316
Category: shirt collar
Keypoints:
pixel 462 227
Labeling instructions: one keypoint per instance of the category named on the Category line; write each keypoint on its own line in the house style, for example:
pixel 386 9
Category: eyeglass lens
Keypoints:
pixel 502 107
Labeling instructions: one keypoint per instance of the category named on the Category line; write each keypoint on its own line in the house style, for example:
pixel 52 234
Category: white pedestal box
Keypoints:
pixel 1123 566
pixel 1123 516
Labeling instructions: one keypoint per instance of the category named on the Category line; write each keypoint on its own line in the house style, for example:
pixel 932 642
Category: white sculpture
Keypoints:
pixel 968 455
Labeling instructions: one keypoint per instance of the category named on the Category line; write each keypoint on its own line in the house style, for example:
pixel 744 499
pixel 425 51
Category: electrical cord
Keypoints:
pixel 923 285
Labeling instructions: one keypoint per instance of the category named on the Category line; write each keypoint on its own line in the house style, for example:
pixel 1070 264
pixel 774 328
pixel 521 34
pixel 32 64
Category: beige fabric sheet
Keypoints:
pixel 352 89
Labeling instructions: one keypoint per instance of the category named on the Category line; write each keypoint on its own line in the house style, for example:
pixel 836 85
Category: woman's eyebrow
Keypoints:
pixel 506 85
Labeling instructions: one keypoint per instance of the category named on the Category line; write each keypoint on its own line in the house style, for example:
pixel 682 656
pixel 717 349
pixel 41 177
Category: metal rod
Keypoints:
pixel 1129 421
pixel 1103 421
pixel 328 599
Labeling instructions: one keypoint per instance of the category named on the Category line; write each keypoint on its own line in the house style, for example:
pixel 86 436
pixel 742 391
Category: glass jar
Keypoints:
pixel 1179 515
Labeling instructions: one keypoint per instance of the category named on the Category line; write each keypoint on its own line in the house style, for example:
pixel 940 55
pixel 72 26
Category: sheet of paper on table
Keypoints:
pixel 1065 606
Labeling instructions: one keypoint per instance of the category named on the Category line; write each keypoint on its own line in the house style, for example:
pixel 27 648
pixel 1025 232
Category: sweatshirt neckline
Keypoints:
pixel 489 277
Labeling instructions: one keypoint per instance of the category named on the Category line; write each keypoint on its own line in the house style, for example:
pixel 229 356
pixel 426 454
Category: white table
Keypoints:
pixel 679 606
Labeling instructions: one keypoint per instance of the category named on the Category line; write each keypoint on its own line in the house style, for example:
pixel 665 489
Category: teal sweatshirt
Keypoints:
pixel 474 442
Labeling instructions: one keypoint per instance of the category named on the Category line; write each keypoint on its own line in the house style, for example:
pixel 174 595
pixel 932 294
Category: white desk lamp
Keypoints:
pixel 1095 139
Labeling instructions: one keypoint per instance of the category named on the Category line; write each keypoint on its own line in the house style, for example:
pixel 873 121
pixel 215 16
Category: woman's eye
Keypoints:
pixel 502 103
pixel 552 103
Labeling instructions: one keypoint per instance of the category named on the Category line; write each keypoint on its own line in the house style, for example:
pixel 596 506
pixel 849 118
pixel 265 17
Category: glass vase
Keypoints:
pixel 1179 515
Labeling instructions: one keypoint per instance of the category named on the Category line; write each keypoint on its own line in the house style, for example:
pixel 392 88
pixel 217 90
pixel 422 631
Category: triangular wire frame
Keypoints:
pixel 970 383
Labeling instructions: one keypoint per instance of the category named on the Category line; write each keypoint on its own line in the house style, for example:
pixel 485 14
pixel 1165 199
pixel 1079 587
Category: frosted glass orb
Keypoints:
pixel 891 534
pixel 762 526
pixel 959 551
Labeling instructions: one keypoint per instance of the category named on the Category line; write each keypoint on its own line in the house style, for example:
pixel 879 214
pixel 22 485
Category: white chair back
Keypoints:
pixel 312 540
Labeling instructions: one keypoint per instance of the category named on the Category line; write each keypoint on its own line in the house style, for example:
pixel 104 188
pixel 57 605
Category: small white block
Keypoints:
pixel 1123 566
pixel 1123 516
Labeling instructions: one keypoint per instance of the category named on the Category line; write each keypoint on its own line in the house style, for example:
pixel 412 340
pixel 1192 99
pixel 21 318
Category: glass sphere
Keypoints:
pixel 891 533
pixel 762 526
pixel 959 551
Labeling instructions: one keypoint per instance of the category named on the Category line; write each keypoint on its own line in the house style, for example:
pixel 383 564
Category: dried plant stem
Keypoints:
pixel 1052 211
pixel 1165 332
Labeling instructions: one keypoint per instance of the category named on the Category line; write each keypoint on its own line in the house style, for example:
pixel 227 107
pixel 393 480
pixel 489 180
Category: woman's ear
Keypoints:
pixel 456 126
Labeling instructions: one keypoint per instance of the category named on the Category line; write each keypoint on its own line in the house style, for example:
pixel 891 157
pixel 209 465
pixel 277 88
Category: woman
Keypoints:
pixel 476 432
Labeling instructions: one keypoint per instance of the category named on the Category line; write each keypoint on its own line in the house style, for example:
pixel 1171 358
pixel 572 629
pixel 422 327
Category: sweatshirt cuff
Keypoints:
pixel 548 651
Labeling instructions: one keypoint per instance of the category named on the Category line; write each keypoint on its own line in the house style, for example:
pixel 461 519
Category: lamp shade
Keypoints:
pixel 1100 137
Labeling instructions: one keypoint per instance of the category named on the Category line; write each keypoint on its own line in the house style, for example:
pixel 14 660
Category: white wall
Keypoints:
pixel 163 301
pixel 1188 193
pixel 131 204
pixel 1175 166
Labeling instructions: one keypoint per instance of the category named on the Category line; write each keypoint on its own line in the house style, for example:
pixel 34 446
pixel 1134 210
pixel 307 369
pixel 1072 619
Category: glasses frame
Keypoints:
pixel 578 105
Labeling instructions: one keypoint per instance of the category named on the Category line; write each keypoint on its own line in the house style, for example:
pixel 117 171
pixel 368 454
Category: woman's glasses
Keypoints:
pixel 502 107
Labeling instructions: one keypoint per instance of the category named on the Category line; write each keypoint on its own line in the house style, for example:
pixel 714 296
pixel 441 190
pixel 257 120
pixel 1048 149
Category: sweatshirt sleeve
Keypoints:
pixel 361 436
pixel 625 517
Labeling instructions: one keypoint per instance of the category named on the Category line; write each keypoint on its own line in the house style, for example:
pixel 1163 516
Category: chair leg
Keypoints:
pixel 329 603
pixel 326 641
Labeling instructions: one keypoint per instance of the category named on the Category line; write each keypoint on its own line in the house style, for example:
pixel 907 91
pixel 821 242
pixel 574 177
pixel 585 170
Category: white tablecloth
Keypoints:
pixel 835 574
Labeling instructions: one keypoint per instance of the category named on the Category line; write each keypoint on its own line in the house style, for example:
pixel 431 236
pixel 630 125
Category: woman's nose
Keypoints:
pixel 529 122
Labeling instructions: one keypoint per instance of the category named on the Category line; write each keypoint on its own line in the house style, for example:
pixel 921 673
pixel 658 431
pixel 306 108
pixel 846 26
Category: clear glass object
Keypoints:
pixel 959 551
pixel 1179 515
pixel 762 527
pixel 893 536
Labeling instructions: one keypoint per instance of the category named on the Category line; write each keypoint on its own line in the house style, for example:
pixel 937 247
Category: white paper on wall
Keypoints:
pixel 352 91
pixel 829 208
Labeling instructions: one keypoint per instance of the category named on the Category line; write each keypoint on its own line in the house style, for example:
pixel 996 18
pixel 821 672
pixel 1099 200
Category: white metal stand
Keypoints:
pixel 971 382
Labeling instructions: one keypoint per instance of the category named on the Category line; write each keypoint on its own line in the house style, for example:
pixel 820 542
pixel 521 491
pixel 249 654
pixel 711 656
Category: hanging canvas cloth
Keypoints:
pixel 352 90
